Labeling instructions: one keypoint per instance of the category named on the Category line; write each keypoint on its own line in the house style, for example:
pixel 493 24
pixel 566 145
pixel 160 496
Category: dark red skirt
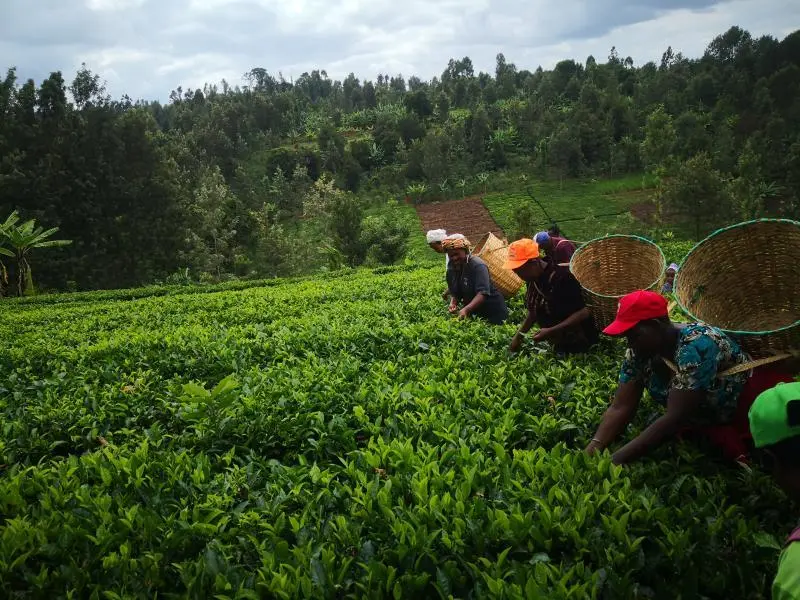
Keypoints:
pixel 734 440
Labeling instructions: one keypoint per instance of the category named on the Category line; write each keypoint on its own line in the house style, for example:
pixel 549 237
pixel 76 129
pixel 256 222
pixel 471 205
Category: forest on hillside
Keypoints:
pixel 224 181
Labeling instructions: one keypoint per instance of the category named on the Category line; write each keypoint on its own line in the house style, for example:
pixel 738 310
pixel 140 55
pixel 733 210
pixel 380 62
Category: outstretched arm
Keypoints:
pixel 681 404
pixel 482 288
pixel 577 317
pixel 473 305
pixel 452 292
pixel 516 341
pixel 617 416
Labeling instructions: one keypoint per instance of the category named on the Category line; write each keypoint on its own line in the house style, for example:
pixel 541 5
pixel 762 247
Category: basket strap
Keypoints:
pixel 673 367
pixel 492 250
pixel 755 363
pixel 744 366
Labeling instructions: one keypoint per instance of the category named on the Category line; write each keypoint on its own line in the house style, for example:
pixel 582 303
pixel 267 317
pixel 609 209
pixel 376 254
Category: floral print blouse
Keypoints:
pixel 703 351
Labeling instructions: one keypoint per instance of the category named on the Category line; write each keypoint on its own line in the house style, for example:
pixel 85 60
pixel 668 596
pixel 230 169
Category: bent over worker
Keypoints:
pixel 558 249
pixel 471 286
pixel 775 425
pixel 683 367
pixel 554 301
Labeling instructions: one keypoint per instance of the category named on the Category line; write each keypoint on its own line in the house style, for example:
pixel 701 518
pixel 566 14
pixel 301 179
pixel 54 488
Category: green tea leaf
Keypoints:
pixel 765 540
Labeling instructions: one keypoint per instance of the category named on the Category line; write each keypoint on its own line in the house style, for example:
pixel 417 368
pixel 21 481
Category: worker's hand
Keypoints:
pixel 593 448
pixel 453 306
pixel 516 342
pixel 463 313
pixel 542 334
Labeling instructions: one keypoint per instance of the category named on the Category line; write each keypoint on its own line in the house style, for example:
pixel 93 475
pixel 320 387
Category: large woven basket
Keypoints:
pixel 493 251
pixel 610 267
pixel 745 279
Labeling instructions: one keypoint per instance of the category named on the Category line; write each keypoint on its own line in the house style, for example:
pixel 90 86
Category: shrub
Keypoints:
pixel 340 436
pixel 385 238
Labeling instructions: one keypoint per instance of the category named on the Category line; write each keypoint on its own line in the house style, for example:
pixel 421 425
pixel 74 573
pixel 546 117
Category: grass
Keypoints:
pixel 579 206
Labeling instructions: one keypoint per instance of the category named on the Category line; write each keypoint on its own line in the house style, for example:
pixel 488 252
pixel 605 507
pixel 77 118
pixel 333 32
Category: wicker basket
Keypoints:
pixel 744 280
pixel 493 251
pixel 610 267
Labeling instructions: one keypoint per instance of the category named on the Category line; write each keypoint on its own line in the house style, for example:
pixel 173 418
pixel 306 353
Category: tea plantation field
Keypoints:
pixel 341 437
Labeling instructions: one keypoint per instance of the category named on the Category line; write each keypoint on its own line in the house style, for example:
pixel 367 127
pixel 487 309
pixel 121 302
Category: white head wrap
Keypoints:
pixel 436 235
pixel 457 236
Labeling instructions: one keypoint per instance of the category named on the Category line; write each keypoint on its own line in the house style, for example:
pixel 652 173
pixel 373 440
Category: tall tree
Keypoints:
pixel 699 192
pixel 659 140
pixel 479 134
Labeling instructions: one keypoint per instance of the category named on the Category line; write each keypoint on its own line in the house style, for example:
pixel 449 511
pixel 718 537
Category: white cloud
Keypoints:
pixel 113 4
pixel 687 31
pixel 147 47
pixel 110 57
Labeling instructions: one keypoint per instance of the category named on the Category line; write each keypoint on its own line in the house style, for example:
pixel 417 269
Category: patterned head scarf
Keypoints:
pixel 456 242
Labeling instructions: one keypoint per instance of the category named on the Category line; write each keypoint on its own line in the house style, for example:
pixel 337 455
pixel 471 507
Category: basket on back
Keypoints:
pixel 610 267
pixel 493 251
pixel 744 280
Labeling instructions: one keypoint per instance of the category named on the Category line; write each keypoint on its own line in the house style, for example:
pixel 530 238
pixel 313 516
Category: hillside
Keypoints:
pixel 341 437
pixel 221 182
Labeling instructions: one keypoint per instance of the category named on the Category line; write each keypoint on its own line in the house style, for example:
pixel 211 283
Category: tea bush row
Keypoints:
pixel 342 438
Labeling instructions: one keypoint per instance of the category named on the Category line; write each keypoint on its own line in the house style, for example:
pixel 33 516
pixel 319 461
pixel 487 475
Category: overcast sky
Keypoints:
pixel 146 48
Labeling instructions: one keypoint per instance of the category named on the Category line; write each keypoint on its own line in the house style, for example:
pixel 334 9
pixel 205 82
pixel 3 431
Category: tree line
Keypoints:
pixel 272 177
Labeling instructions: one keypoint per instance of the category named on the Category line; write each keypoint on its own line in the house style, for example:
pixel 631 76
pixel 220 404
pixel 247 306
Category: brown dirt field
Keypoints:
pixel 641 195
pixel 643 211
pixel 646 211
pixel 468 216
pixel 641 207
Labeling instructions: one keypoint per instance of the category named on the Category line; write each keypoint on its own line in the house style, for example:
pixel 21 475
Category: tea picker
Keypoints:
pixel 435 237
pixel 470 285
pixel 669 279
pixel 697 372
pixel 553 300
pixel 775 424
pixel 558 249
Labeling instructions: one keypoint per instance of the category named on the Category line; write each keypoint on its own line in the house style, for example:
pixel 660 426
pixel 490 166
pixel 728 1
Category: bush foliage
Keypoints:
pixel 341 437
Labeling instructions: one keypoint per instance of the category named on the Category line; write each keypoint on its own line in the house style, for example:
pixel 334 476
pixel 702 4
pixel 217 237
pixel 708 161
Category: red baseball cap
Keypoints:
pixel 636 307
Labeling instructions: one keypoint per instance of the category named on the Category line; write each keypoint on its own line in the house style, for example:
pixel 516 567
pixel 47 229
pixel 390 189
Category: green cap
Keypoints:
pixel 774 415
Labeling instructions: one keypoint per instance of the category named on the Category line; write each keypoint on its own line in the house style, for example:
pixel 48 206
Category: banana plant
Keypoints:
pixel 10 222
pixel 376 154
pixel 444 186
pixel 417 191
pixel 463 185
pixel 4 271
pixel 505 137
pixel 23 238
pixel 483 178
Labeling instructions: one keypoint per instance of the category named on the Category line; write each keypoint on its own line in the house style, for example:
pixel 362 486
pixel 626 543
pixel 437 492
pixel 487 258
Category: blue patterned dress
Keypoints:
pixel 703 351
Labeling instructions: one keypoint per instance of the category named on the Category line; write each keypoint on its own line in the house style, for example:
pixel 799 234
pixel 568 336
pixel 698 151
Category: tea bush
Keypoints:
pixel 341 437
